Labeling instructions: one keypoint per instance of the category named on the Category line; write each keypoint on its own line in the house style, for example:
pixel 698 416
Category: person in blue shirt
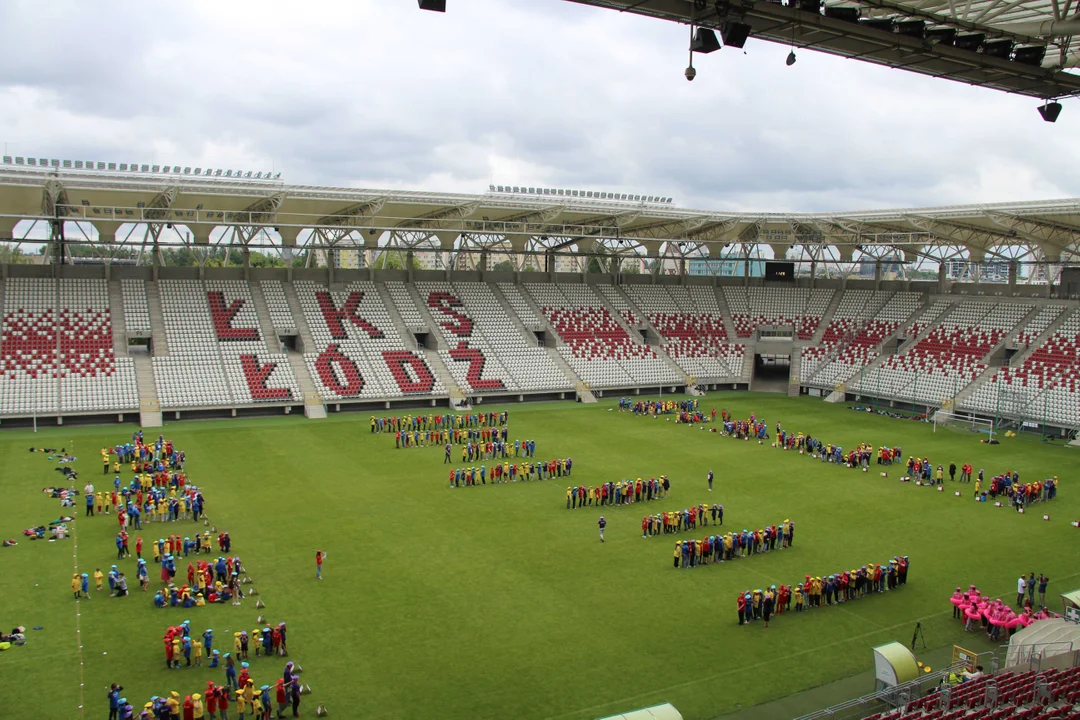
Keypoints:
pixel 602 523
pixel 114 701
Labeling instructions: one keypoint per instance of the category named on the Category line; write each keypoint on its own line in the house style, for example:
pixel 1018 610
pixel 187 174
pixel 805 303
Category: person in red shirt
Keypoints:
pixel 319 555
pixel 211 700
pixel 138 548
pixel 741 603
pixel 189 708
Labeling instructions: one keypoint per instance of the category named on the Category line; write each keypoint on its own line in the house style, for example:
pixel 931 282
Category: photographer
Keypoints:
pixel 114 701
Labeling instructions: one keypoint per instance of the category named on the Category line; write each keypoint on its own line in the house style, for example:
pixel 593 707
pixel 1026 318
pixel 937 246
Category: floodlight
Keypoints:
pixel 735 33
pixel 187 171
pixel 140 204
pixel 18 160
pixel 67 164
pixel 790 58
pixel 247 174
pixel 112 166
pixel 7 159
pixel 882 24
pixel 277 176
pixel 842 13
pixel 912 28
pixel 704 41
pixel 217 173
pixel 1030 55
pixel 228 173
pixel 433 5
pixel 969 41
pixel 78 164
pixel 176 169
pixel 1001 48
pixel 1050 111
pixel 941 35
pixel 144 168
pixel 101 165
pixel 153 168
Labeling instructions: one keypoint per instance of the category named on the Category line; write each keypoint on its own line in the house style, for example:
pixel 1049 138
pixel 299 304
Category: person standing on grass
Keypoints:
pixel 603 524
pixel 1021 586
pixel 1043 580
pixel 710 480
pixel 319 556
pixel 1031 583
pixel 952 472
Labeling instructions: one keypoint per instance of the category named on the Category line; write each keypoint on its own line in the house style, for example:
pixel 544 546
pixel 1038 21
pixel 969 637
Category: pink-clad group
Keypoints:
pixel 973 607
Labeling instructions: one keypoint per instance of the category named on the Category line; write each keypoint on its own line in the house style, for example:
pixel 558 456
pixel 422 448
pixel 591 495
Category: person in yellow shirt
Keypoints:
pixel 106 500
pixel 173 701
pixel 197 650
pixel 241 704
pixel 197 710
pixel 256 707
pixel 76 585
pixel 98 577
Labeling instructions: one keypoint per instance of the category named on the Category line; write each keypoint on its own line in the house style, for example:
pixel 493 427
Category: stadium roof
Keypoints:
pixel 262 213
pixel 1018 46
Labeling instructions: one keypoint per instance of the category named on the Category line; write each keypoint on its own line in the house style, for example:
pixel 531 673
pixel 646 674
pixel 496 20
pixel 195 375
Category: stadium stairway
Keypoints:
pixel 911 341
pixel 314 404
pixel 266 324
pixel 794 380
pixel 116 310
pixel 431 356
pixel 157 320
pixel 552 352
pixel 826 318
pixel 633 332
pixel 509 311
pixel 967 390
pixel 644 320
pixel 725 312
pixel 307 340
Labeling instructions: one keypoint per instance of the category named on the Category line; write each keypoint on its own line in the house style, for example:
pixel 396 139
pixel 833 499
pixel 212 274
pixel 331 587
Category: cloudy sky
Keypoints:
pixel 375 93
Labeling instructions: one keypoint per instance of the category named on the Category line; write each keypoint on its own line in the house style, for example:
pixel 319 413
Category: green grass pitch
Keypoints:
pixel 496 602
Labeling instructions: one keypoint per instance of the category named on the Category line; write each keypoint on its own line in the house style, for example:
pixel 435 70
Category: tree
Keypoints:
pixel 503 266
pixel 12 255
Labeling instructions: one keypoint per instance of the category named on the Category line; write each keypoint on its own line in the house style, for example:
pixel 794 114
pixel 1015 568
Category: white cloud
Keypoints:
pixel 380 94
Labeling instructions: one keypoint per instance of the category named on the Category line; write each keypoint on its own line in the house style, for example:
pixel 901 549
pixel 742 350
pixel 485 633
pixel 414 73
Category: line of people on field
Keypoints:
pixel 621 492
pixel 511 472
pixel 250 701
pixel 448 421
pixel 492 450
pixel 1007 485
pixel 819 591
pixel 720 548
pixel 676 521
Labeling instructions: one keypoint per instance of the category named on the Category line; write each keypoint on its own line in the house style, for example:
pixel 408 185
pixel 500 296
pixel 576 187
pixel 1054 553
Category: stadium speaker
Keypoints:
pixel 433 5
pixel 969 41
pixel 998 48
pixel 844 13
pixel 882 24
pixel 912 28
pixel 1030 55
pixel 941 35
pixel 704 41
pixel 1050 111
pixel 735 33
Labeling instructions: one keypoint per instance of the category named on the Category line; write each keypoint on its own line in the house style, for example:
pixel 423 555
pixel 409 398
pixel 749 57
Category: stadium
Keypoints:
pixel 480 409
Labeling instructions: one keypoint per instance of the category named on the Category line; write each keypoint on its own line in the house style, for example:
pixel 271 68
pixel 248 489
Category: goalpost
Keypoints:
pixel 953 421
